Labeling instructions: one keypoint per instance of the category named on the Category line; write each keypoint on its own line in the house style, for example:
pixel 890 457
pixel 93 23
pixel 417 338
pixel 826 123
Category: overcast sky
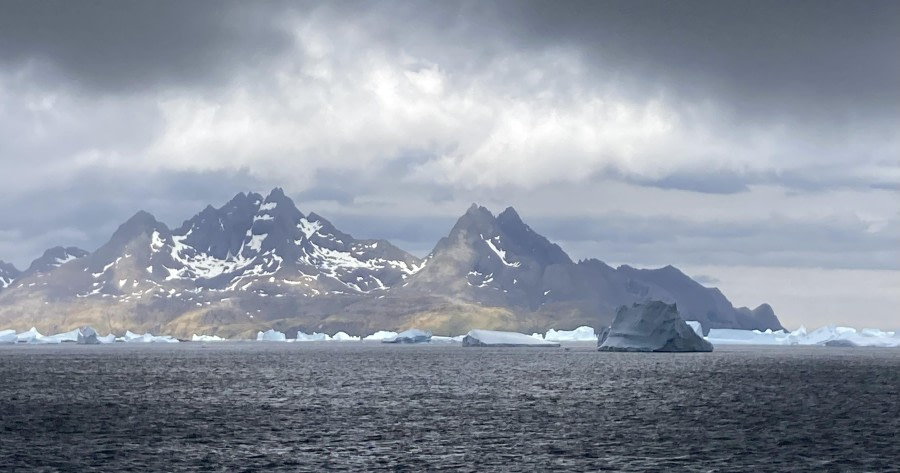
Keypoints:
pixel 755 145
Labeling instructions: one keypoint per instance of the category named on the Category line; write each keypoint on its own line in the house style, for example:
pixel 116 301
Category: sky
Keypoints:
pixel 753 144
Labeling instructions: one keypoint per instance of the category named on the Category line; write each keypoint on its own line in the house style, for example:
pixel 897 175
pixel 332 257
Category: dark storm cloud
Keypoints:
pixel 113 46
pixel 767 57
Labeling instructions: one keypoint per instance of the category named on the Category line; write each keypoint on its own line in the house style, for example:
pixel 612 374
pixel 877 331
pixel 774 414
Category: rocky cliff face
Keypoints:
pixel 258 262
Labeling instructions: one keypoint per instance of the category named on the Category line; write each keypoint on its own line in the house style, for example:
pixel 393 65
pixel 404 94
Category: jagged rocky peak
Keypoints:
pixel 54 258
pixel 141 223
pixel 8 273
pixel 528 242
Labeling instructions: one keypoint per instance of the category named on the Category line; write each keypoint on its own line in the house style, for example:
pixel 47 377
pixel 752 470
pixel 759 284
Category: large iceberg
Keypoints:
pixel 580 334
pixel 653 327
pixel 65 337
pixel 410 336
pixel 271 335
pixel 494 338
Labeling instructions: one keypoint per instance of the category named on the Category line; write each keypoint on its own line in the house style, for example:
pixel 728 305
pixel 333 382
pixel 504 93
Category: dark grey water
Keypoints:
pixel 357 406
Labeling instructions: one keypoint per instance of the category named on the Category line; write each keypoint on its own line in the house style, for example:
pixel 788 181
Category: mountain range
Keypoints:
pixel 258 262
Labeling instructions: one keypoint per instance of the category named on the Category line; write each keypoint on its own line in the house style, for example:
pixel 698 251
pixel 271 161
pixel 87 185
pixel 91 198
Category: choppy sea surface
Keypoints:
pixel 365 406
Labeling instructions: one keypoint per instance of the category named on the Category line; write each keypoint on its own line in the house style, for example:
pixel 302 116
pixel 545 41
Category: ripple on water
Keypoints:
pixel 366 406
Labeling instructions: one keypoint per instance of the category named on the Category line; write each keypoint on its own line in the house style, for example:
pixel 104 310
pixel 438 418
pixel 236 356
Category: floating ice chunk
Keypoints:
pixel 270 335
pixel 107 339
pixel 207 338
pixel 315 337
pixel 381 335
pixel 344 337
pixel 410 336
pixel 70 337
pixel 34 337
pixel 8 336
pixel 442 339
pixel 131 337
pixel 652 326
pixel 87 336
pixel 494 338
pixel 583 333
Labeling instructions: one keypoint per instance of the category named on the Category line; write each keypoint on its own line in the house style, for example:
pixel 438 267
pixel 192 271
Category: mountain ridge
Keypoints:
pixel 259 262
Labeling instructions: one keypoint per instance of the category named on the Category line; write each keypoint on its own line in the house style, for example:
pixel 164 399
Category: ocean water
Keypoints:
pixel 362 406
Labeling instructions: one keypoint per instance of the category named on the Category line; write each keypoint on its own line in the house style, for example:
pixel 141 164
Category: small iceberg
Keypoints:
pixel 344 337
pixel 31 336
pixel 65 337
pixel 652 327
pixel 207 338
pixel 271 335
pixel 494 338
pixel 87 336
pixel 410 336
pixel 8 336
pixel 580 334
pixel 131 337
pixel 381 335
pixel 315 337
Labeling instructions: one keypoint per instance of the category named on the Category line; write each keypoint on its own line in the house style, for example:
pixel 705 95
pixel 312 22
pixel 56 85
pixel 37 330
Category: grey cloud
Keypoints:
pixel 126 45
pixel 775 242
pixel 706 280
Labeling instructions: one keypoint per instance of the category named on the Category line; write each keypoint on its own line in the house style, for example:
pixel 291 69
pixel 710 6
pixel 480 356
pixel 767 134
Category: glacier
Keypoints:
pixel 495 338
